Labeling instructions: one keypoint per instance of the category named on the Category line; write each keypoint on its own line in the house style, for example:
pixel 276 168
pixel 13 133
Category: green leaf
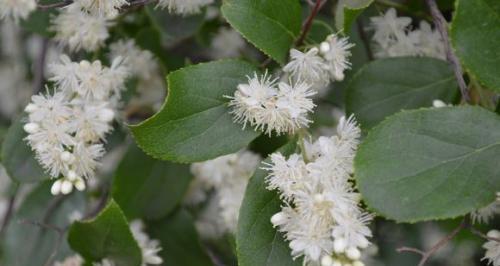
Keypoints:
pixel 475 34
pixel 18 158
pixel 194 124
pixel 258 243
pixel 147 188
pixel 27 244
pixel 347 11
pixel 106 236
pixel 270 25
pixel 430 164
pixel 179 240
pixel 376 92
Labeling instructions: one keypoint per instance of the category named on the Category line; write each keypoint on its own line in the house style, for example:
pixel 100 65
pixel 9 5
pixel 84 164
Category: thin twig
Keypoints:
pixel 39 70
pixel 480 234
pixel 8 212
pixel 364 38
pixel 60 236
pixel 427 254
pixel 100 205
pixel 308 23
pixel 55 5
pixel 442 27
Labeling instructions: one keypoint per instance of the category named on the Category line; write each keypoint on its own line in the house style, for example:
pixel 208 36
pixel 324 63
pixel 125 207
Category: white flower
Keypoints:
pixel 389 27
pixel 149 247
pixel 141 63
pixel 484 215
pixel 439 104
pixel 78 29
pixel 74 260
pixel 184 7
pixel 430 42
pixel 492 248
pixel 209 223
pixel 336 53
pixel 228 175
pixel 322 215
pixel 108 8
pixel 308 67
pixel 283 109
pixel 16 9
pixel 227 43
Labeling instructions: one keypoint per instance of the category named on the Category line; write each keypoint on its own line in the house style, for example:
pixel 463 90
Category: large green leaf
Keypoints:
pixel 347 11
pixel 147 188
pixel 194 124
pixel 28 239
pixel 18 158
pixel 475 35
pixel 179 240
pixel 258 243
pixel 106 236
pixel 384 87
pixel 270 25
pixel 430 164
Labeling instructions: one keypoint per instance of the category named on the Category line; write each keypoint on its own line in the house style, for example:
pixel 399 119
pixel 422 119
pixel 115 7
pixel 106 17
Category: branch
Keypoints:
pixel 364 38
pixel 55 5
pixel 442 27
pixel 8 212
pixel 480 234
pixel 427 254
pixel 307 25
pixel 39 70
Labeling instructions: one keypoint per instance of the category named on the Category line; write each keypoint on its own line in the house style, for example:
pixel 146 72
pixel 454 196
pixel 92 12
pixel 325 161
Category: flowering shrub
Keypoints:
pixel 249 132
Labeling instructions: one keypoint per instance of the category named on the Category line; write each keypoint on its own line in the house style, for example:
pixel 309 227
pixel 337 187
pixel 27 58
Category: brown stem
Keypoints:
pixel 442 27
pixel 8 212
pixel 39 70
pixel 100 205
pixel 55 5
pixel 427 254
pixel 364 38
pixel 307 25
pixel 480 234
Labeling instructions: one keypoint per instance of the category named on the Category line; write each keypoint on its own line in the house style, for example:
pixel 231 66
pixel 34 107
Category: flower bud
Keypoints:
pixel 326 261
pixel 56 188
pixel 106 115
pixel 72 177
pixel 80 184
pixel 353 253
pixel 324 47
pixel 494 234
pixel 30 108
pixel 67 157
pixel 358 263
pixel 278 219
pixel 66 187
pixel 339 245
pixel 31 128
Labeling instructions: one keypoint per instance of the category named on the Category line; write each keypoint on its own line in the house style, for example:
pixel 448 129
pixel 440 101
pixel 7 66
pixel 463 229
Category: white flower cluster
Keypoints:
pixel 282 107
pixel 393 37
pixel 271 106
pixel 318 66
pixel 144 66
pixel 322 217
pixel 493 248
pixel 66 128
pixel 227 43
pixel 16 9
pixel 184 7
pixel 484 215
pixel 228 175
pixel 149 248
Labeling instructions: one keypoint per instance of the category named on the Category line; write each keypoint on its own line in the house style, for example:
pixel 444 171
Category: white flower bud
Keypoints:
pixel 66 187
pixel 339 245
pixel 67 157
pixel 324 47
pixel 338 75
pixel 278 219
pixel 438 103
pixel 494 234
pixel 336 263
pixel 358 263
pixel 56 188
pixel 363 243
pixel 85 63
pixel 106 115
pixel 30 108
pixel 72 177
pixel 326 261
pixel 31 128
pixel 353 253
pixel 80 184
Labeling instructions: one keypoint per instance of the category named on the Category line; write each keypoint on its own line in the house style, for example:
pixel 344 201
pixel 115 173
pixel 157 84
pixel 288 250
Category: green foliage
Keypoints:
pixel 376 92
pixel 147 188
pixel 430 164
pixel 28 240
pixel 106 236
pixel 475 34
pixel 194 124
pixel 258 243
pixel 270 25
pixel 18 158
pixel 179 240
pixel 347 12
